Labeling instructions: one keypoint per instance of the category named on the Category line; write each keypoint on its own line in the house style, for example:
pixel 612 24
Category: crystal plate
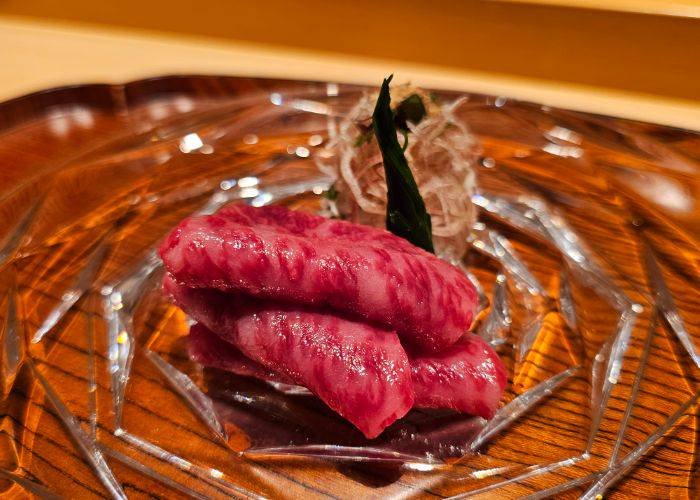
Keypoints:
pixel 585 252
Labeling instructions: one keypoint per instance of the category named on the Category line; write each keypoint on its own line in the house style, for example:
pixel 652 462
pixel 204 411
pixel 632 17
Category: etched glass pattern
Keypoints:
pixel 584 253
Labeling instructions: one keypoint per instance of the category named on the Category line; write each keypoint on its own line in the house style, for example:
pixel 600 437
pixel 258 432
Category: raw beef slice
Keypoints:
pixel 347 267
pixel 208 349
pixel 359 371
pixel 468 377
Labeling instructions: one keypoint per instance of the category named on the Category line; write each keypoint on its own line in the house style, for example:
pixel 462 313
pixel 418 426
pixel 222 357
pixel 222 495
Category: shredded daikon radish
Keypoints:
pixel 441 153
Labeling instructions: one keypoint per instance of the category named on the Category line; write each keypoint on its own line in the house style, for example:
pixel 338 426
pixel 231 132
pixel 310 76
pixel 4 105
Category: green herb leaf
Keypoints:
pixel 404 133
pixel 410 110
pixel 406 215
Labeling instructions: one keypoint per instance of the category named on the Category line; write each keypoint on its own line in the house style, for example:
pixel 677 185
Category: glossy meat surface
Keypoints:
pixel 208 349
pixel 468 377
pixel 303 259
pixel 359 371
pixel 315 226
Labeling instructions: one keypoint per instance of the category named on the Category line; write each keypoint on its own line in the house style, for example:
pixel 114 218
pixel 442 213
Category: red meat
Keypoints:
pixel 315 226
pixel 359 371
pixel 468 377
pixel 277 254
pixel 208 349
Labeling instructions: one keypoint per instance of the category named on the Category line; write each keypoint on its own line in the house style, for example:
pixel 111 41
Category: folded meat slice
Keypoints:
pixel 302 259
pixel 359 371
pixel 316 226
pixel 468 377
pixel 208 349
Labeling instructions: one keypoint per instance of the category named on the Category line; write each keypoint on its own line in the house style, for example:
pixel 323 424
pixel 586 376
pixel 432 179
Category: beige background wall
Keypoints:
pixel 656 54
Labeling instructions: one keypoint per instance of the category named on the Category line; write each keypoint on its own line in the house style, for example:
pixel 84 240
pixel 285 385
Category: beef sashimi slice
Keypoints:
pixel 428 302
pixel 359 371
pixel 468 377
pixel 208 349
pixel 316 226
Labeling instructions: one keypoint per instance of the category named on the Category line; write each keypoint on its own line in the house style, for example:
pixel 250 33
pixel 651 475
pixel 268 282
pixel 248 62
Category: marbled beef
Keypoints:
pixel 208 349
pixel 359 371
pixel 467 376
pixel 303 259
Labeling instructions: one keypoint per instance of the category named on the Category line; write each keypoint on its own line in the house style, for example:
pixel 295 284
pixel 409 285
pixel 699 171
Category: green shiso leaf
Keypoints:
pixel 406 215
pixel 410 110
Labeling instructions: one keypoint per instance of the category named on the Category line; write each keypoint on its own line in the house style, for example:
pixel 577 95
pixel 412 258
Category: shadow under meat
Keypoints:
pixel 291 422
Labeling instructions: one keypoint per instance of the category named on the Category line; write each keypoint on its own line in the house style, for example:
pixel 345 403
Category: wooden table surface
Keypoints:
pixel 37 54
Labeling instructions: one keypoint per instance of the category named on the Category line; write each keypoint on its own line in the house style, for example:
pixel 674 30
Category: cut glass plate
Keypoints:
pixel 584 262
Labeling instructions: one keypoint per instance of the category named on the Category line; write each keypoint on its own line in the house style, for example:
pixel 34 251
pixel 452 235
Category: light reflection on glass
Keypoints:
pixel 563 151
pixel 315 140
pixel 417 466
pixel 59 123
pixel 261 200
pixel 310 106
pixel 276 98
pixel 191 142
pixel 250 139
pixel 184 104
pixel 563 134
pixel 663 191
pixel 246 182
pixel 488 162
pixel 249 192
pixel 83 117
pixel 157 111
pixel 332 89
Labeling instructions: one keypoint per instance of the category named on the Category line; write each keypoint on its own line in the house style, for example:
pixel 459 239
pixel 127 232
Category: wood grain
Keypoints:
pixel 41 53
pixel 640 50
pixel 97 154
